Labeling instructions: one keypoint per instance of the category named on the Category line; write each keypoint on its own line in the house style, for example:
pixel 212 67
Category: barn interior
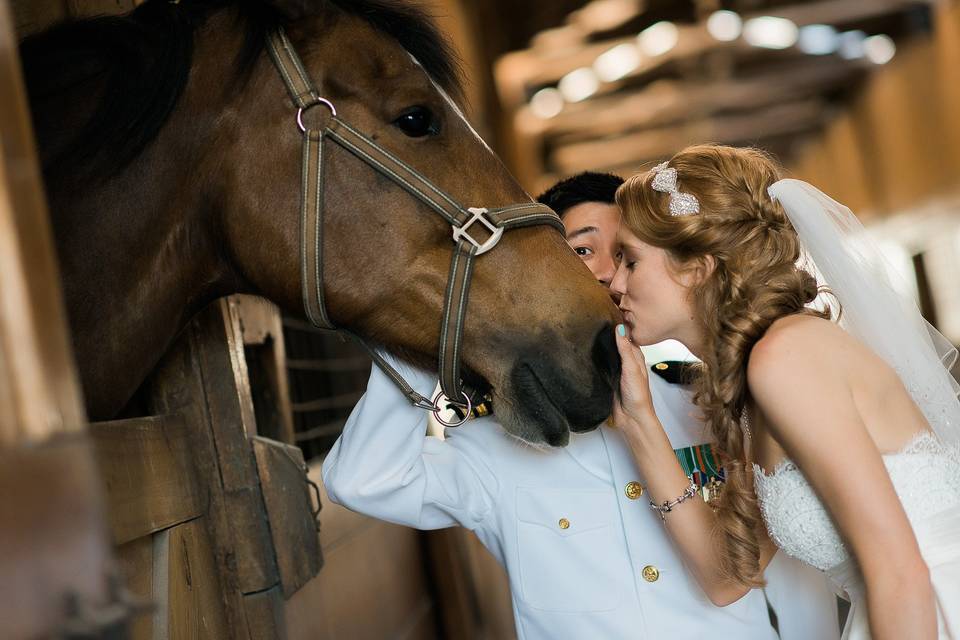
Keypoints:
pixel 858 97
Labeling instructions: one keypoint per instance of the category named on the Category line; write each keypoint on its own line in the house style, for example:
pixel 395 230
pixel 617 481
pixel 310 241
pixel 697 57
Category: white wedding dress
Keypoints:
pixel 926 476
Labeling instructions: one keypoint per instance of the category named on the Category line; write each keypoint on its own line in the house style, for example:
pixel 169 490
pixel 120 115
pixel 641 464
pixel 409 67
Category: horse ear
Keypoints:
pixel 296 9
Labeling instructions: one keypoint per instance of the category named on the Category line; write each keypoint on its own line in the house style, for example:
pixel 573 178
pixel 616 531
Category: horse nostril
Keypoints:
pixel 605 356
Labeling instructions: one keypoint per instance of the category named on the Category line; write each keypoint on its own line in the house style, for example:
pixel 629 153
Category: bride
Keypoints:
pixel 839 424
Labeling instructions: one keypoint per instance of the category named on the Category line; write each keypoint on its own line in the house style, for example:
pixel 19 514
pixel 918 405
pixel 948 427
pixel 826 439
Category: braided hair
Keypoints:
pixel 755 281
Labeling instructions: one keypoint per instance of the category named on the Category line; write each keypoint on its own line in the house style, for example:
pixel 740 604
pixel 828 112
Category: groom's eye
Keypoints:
pixel 583 251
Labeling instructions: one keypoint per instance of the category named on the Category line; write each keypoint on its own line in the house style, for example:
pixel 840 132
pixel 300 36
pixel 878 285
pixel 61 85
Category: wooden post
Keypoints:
pixel 55 560
pixel 204 379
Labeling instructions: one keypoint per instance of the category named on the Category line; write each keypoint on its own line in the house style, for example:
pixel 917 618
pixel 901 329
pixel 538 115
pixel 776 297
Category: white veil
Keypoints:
pixel 852 266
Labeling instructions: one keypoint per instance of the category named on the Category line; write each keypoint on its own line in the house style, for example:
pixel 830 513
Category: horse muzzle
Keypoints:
pixel 554 397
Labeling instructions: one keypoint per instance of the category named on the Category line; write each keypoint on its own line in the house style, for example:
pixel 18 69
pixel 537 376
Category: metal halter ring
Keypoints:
pixel 301 110
pixel 437 408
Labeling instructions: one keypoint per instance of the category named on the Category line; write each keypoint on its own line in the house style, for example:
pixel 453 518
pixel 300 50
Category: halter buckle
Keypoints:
pixel 477 215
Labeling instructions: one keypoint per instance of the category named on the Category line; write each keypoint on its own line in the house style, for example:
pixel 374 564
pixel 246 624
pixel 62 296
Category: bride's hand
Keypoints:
pixel 633 405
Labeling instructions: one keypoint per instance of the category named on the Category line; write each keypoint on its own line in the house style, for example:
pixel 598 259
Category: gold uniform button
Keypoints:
pixel 651 573
pixel 564 523
pixel 633 490
pixel 662 366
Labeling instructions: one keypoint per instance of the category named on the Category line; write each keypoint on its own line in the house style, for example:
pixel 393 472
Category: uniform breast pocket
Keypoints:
pixel 570 554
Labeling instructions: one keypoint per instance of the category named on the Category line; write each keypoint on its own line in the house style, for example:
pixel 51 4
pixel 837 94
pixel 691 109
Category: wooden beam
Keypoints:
pixel 191 591
pixel 39 392
pixel 148 473
pixel 289 507
pixel 266 363
pixel 517 71
pixel 670 102
pixel 637 148
pixel 203 376
pixel 841 11
pixel 52 535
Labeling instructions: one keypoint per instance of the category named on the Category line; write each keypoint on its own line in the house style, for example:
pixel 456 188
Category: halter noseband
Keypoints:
pixel 460 218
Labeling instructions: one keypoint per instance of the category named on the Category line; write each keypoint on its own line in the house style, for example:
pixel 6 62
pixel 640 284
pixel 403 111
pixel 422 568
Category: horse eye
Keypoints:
pixel 417 122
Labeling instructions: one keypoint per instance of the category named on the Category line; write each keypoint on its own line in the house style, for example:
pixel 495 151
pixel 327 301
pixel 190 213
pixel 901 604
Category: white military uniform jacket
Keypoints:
pixel 585 561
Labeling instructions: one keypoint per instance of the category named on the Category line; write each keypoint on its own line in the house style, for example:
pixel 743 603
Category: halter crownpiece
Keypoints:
pixel 665 181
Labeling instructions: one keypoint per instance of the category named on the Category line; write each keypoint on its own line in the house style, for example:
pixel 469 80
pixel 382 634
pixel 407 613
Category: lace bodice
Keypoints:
pixel 925 475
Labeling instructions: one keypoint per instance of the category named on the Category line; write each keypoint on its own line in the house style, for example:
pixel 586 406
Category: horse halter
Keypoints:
pixel 460 218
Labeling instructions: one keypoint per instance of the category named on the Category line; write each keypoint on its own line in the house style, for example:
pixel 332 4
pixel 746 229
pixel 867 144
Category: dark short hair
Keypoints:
pixel 589 186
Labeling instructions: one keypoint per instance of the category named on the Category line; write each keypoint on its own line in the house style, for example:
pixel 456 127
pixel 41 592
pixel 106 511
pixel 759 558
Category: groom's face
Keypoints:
pixel 591 231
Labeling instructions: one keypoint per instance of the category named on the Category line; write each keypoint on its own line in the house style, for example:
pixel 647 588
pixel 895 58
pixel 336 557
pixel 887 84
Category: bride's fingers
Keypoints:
pixel 632 360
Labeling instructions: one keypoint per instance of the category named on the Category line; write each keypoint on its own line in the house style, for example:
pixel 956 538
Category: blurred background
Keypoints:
pixel 859 97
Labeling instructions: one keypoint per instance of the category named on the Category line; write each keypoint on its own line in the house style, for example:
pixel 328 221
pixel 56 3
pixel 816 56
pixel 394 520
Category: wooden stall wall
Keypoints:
pixel 898 143
pixel 55 566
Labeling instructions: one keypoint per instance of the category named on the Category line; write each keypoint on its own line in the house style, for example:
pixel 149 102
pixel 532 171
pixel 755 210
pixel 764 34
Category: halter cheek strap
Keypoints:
pixel 464 222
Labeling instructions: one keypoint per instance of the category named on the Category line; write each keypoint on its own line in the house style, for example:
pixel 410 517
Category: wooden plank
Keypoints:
pixel 136 568
pixel 289 509
pixel 946 23
pixel 450 571
pixel 262 329
pixel 305 615
pixel 160 587
pixel 637 148
pixel 219 347
pixel 197 378
pixel 339 401
pixel 193 597
pixel 52 536
pixel 147 469
pixel 177 387
pixel 358 573
pixel 224 356
pixel 668 102
pixel 265 618
pixel 364 560
pixel 493 589
pixel 40 392
pixel 898 115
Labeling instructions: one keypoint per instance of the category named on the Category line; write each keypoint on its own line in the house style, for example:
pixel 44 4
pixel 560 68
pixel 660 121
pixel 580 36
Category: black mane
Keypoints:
pixel 144 58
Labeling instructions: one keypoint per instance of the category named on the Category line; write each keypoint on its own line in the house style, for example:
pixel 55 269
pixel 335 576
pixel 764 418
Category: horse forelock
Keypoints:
pixel 415 29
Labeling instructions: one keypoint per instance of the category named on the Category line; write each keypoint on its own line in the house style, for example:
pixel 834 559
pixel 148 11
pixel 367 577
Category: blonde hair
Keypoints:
pixel 755 281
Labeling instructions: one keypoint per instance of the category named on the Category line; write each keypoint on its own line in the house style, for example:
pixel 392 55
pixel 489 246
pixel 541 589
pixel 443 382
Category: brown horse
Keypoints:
pixel 172 161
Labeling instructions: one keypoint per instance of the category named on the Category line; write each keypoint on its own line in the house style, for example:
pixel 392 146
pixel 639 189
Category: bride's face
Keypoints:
pixel 654 295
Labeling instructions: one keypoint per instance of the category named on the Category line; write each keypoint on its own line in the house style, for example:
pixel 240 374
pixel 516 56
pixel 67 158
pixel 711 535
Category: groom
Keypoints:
pixel 585 556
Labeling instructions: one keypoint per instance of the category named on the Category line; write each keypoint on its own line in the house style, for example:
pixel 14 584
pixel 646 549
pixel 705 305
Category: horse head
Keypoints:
pixel 537 329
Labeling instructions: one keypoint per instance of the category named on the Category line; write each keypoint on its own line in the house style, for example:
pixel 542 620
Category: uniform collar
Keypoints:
pixel 589 450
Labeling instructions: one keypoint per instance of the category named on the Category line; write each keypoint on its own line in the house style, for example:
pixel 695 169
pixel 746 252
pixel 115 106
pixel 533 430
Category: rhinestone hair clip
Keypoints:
pixel 665 181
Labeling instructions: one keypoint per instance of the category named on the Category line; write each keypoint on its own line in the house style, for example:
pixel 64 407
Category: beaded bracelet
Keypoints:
pixel 668 505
